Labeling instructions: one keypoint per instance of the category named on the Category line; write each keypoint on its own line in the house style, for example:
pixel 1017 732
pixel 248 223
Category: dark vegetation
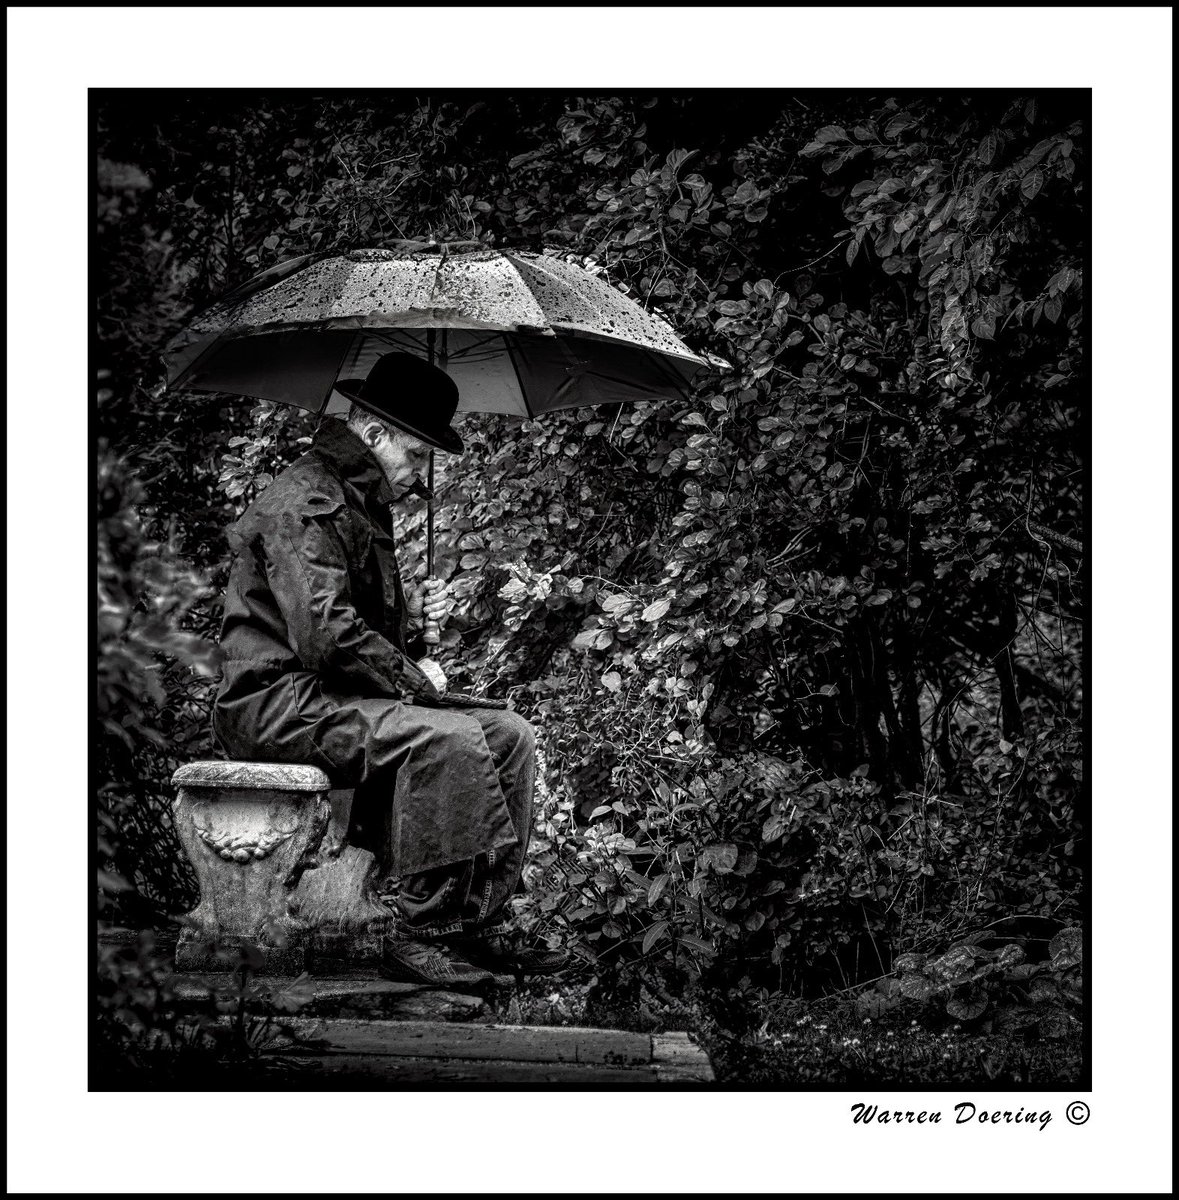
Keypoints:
pixel 803 653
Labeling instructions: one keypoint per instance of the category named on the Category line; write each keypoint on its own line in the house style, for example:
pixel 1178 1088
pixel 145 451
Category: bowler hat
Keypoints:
pixel 412 394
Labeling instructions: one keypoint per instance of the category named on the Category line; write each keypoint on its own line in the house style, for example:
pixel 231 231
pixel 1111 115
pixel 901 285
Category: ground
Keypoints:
pixel 822 1042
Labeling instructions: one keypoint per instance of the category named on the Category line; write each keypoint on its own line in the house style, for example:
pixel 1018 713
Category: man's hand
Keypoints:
pixel 431 606
pixel 433 673
pixel 435 609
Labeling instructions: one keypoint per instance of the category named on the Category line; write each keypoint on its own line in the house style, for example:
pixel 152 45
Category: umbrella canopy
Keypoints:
pixel 518 332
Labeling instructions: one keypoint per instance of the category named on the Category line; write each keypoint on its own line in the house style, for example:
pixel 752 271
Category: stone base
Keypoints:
pixel 198 954
pixel 335 953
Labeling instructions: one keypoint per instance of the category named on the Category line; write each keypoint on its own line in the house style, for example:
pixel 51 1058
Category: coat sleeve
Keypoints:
pixel 307 568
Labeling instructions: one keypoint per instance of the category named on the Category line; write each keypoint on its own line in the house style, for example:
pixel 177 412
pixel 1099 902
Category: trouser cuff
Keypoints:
pixel 454 929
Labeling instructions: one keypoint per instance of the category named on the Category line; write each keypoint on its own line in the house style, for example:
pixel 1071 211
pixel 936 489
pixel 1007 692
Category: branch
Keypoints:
pixel 1041 532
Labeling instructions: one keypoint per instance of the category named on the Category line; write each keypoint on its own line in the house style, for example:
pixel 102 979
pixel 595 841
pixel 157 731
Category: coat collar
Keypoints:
pixel 350 456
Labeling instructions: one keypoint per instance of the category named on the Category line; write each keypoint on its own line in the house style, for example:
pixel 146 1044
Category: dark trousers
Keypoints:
pixel 470 896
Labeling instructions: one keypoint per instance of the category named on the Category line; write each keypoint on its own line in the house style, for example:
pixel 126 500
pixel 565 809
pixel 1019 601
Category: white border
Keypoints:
pixel 63 1139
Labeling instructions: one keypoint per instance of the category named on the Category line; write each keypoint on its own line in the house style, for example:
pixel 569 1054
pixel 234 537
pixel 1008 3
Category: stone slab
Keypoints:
pixel 677 1059
pixel 390 1054
pixel 338 1072
pixel 362 997
pixel 515 1043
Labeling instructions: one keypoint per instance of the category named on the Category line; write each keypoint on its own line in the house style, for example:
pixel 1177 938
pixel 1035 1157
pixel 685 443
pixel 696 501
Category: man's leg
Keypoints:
pixel 512 743
pixel 480 751
pixel 433 790
pixel 469 897
pixel 489 942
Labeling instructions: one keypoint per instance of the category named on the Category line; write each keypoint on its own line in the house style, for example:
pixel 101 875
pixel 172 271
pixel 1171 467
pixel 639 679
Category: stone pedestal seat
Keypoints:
pixel 255 834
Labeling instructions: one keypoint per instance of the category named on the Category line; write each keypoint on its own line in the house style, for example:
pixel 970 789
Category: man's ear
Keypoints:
pixel 371 434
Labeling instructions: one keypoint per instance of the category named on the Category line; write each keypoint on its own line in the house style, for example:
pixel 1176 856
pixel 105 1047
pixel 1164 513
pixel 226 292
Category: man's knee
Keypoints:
pixel 511 729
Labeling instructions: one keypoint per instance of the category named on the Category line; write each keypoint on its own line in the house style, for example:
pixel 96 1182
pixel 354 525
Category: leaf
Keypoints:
pixel 1024 971
pixel 653 935
pixel 696 943
pixel 586 640
pixel 898 125
pixel 916 987
pixel 1032 183
pixel 986 149
pixel 657 889
pixel 831 133
pixel 677 158
pixel 520 159
pixel 1066 948
pixel 1042 990
pixel 967 1005
pixel 720 856
pixel 612 681
pixel 656 610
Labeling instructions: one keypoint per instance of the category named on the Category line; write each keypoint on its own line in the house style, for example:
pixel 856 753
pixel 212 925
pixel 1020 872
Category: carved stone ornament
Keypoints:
pixel 250 831
pixel 216 830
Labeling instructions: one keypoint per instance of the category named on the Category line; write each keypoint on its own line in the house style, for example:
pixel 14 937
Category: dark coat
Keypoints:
pixel 318 669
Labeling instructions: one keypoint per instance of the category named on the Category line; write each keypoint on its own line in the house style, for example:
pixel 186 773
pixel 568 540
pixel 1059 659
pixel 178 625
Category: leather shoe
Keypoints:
pixel 507 955
pixel 429 961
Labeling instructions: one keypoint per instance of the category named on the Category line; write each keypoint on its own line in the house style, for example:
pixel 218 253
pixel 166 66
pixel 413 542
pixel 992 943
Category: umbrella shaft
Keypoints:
pixel 441 357
pixel 430 518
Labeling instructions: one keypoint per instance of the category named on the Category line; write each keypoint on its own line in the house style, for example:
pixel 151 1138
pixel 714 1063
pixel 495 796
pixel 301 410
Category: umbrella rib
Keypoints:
pixel 584 297
pixel 465 350
pixel 383 335
pixel 219 340
pixel 519 382
pixel 336 373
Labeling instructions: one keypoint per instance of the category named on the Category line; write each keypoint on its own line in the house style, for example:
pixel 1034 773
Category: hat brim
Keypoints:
pixel 447 441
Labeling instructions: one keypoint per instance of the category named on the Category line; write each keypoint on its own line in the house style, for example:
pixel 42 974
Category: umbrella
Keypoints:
pixel 519 332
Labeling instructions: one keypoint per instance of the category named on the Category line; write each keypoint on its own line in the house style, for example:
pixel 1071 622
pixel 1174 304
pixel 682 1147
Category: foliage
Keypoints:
pixel 803 651
pixel 149 1035
pixel 970 980
pixel 152 680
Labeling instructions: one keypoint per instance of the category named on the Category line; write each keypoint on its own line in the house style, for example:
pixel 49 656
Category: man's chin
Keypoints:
pixel 417 488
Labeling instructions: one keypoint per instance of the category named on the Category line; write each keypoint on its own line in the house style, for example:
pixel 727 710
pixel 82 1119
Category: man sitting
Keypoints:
pixel 318 669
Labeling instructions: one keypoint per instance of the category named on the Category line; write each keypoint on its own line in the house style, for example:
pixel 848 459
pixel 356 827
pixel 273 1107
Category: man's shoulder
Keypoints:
pixel 308 487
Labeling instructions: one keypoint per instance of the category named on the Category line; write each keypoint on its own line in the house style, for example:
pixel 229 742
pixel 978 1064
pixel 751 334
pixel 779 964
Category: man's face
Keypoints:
pixel 403 460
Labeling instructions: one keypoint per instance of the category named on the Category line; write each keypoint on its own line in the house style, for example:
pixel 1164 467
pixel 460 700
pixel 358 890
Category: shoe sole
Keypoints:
pixel 402 974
